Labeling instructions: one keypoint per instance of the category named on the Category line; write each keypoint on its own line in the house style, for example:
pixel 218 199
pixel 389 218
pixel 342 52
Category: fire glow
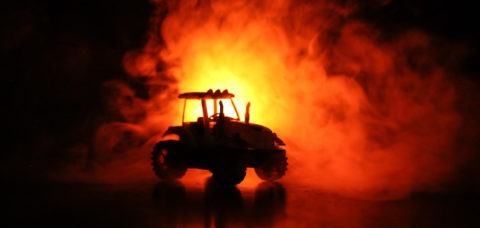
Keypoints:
pixel 358 118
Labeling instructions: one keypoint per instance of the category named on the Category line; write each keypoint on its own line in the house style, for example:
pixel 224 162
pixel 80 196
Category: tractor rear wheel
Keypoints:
pixel 230 176
pixel 167 160
pixel 272 170
pixel 229 169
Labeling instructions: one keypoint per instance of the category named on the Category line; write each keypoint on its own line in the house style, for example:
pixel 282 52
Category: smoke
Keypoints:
pixel 362 115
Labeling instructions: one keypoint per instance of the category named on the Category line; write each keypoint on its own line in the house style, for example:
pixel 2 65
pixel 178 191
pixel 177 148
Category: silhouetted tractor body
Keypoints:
pixel 223 145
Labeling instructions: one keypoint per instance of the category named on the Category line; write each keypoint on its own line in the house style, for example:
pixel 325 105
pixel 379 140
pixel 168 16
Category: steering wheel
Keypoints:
pixel 214 116
pixel 217 115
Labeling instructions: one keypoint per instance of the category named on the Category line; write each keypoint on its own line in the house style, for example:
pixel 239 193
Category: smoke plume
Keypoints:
pixel 363 114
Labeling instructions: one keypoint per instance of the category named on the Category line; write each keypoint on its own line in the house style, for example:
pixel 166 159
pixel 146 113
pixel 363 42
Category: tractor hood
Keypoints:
pixel 256 136
pixel 258 127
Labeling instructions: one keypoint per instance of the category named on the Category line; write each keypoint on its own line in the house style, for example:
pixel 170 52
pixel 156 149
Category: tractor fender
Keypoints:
pixel 185 136
pixel 278 140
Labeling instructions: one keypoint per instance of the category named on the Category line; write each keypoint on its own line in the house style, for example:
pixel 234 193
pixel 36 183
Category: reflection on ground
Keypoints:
pixel 200 202
pixel 219 206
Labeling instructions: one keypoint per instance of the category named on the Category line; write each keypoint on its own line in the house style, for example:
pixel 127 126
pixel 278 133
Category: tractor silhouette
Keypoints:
pixel 224 145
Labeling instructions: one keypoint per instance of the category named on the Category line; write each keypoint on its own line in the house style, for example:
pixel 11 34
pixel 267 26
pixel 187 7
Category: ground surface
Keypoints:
pixel 200 202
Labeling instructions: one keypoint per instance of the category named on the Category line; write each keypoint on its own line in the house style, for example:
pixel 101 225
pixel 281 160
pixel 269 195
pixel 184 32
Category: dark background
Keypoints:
pixel 57 54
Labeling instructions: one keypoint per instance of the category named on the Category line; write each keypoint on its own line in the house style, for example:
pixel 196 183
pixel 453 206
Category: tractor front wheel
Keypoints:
pixel 167 160
pixel 272 170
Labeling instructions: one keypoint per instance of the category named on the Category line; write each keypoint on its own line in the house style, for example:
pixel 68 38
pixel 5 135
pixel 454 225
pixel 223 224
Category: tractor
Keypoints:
pixel 222 144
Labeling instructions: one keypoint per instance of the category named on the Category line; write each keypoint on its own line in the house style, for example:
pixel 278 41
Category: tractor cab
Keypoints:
pixel 215 107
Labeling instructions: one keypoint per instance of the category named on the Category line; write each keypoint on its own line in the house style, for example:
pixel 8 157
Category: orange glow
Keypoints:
pixel 247 66
pixel 358 119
